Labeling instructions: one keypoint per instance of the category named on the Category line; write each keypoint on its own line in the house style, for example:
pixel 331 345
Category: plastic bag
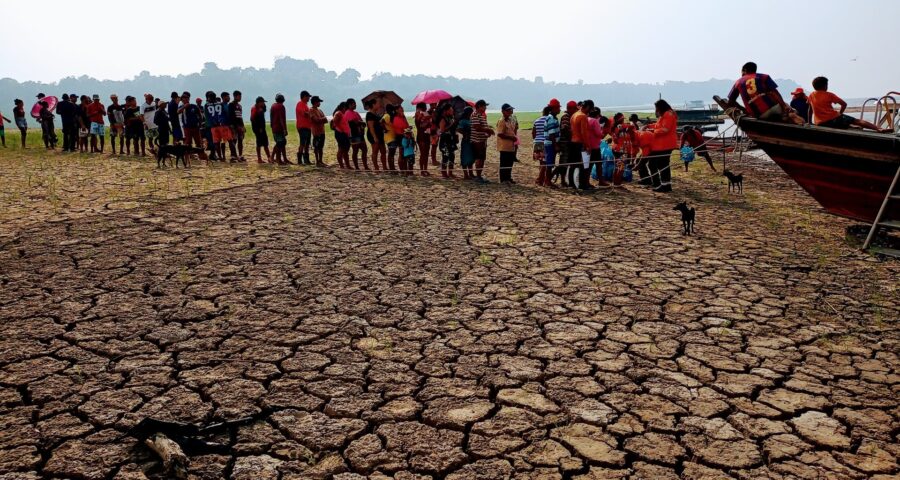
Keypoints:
pixel 687 154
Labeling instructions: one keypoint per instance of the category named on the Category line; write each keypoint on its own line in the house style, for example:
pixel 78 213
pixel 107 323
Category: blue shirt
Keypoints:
pixel 409 146
pixel 551 129
pixel 539 129
pixel 192 116
pixel 216 115
pixel 801 105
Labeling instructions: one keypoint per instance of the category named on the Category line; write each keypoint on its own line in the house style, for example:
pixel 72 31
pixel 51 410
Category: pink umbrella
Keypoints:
pixel 431 96
pixel 51 105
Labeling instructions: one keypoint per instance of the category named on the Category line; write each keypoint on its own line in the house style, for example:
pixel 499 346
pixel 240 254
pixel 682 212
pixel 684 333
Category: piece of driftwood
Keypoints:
pixel 174 461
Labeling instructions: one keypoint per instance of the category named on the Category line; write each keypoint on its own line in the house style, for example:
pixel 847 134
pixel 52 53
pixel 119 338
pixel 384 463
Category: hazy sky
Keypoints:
pixel 563 40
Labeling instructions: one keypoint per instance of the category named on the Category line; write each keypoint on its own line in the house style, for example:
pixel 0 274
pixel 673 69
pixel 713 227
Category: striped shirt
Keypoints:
pixel 539 129
pixel 551 129
pixel 565 127
pixel 479 121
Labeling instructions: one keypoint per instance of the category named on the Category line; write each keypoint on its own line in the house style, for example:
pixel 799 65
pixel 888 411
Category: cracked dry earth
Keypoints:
pixel 387 328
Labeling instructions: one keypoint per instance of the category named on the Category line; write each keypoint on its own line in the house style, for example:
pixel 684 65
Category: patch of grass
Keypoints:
pixel 485 259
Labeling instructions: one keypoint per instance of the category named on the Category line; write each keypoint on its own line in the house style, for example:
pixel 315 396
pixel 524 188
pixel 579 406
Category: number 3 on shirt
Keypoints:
pixel 751 86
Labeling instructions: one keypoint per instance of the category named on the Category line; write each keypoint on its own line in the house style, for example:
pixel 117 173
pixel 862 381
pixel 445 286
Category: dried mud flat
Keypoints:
pixel 380 327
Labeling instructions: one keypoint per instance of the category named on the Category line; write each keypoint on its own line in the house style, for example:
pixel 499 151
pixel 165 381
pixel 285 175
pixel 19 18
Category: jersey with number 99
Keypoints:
pixel 215 115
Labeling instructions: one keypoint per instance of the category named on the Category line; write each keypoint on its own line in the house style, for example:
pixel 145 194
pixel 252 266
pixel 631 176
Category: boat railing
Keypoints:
pixel 862 112
pixel 890 117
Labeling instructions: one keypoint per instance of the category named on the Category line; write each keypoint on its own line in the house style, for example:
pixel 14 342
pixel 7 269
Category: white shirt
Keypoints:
pixel 148 111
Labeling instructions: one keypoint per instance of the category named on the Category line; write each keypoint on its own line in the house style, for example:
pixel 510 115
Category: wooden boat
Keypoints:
pixel 848 172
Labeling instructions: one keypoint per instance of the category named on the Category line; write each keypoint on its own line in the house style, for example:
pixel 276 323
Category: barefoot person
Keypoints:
pixel 148 112
pixel 258 124
pixel 480 133
pixel 537 136
pixel 375 134
pixel 357 134
pixel 134 128
pixel 95 113
pixel 278 120
pixel 399 123
pixel 448 141
pixel 304 128
pixel 19 118
pixel 115 113
pixel 760 96
pixel 341 135
pixel 422 119
pixel 822 102
pixel 317 126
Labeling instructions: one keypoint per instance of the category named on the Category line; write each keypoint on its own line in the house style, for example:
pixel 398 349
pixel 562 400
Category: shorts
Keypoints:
pixel 177 134
pixel 2 132
pixel 280 139
pixel 135 132
pixel 356 139
pixel 479 151
pixel 393 146
pixel 549 155
pixel 152 134
pixel 221 134
pixel 22 123
pixel 538 152
pixel 262 139
pixel 842 122
pixel 342 139
pixel 305 136
pixel 98 129
pixel 238 131
pixel 318 141
pixel 116 130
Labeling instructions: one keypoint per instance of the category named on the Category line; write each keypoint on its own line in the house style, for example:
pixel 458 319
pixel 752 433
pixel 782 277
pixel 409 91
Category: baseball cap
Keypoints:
pixel 40 95
pixel 571 104
pixel 553 102
pixel 95 97
pixel 260 99
pixel 481 103
pixel 507 106
pixel 304 94
pixel 315 99
pixel 797 91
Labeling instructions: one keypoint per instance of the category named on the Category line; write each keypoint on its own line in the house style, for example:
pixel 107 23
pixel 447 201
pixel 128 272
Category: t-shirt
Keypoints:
pixel 302 111
pixel 95 112
pixel 822 106
pixel 236 114
pixel 172 108
pixel 317 121
pixel 258 120
pixel 400 124
pixel 148 111
pixel 539 129
pixel 376 131
pixel 801 105
pixel 551 129
pixel 565 127
pixel 340 123
pixel 579 127
pixel 216 115
pixel 132 118
pixel 594 133
pixel 389 134
pixel 161 119
pixel 191 116
pixel 755 89
pixel 116 114
pixel 507 127
pixel 66 111
pixel 479 121
pixel 278 118
pixel 665 133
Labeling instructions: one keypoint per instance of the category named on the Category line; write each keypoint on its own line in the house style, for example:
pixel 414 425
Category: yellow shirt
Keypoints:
pixel 507 127
pixel 389 135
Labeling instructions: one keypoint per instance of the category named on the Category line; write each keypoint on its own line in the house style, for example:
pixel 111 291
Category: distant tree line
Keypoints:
pixel 289 76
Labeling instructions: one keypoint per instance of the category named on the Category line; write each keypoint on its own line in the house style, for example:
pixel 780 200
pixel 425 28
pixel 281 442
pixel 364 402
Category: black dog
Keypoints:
pixel 735 182
pixel 180 152
pixel 687 217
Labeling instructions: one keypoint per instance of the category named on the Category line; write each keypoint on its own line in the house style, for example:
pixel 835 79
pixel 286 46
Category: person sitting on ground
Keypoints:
pixel 822 102
pixel 760 96
pixel 800 104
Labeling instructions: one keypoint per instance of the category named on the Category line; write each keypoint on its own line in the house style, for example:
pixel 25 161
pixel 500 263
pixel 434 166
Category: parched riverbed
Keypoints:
pixel 381 327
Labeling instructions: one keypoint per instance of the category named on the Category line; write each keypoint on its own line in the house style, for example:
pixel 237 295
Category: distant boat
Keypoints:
pixel 848 172
pixel 697 114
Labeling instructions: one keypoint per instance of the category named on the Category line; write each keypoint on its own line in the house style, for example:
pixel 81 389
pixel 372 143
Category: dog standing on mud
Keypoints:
pixel 180 152
pixel 735 182
pixel 687 217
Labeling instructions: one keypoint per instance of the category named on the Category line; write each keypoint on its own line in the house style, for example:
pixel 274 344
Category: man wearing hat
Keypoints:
pixel 304 128
pixel 480 133
pixel 278 122
pixel 800 103
pixel 95 113
pixel 317 121
pixel 258 125
pixel 507 140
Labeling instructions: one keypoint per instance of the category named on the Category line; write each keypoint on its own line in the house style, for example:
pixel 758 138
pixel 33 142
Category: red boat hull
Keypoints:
pixel 847 171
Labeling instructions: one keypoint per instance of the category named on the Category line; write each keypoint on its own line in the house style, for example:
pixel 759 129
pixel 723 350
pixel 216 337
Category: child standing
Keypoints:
pixel 408 142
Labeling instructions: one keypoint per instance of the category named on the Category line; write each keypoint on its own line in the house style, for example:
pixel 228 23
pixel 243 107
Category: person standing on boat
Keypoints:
pixel 822 102
pixel 665 139
pixel 760 96
pixel 800 104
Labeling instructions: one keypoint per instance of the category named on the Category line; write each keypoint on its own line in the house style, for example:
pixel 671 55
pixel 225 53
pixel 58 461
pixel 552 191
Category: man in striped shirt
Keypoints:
pixel 480 133
pixel 537 134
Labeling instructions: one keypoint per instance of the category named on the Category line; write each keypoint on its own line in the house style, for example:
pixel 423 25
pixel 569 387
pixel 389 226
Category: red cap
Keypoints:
pixel 571 104
pixel 798 91
pixel 198 100
pixel 553 102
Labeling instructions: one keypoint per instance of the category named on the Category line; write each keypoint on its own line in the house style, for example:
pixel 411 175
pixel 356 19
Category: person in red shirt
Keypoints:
pixel 341 135
pixel 95 113
pixel 822 103
pixel 304 128
pixel 665 139
pixel 693 138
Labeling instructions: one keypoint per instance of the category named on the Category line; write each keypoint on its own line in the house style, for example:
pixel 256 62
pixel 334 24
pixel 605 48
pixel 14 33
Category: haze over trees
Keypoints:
pixel 289 76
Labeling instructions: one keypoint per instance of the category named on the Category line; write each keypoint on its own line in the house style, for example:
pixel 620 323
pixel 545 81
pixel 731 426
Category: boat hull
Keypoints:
pixel 847 172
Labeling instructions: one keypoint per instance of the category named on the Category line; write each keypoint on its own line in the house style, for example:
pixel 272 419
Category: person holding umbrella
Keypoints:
pixel 507 137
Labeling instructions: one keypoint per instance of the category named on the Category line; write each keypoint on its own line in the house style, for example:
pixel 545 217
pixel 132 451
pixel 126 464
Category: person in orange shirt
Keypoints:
pixel 665 139
pixel 822 102
pixel 578 145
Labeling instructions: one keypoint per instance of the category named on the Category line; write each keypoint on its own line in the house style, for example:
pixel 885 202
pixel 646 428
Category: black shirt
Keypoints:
pixel 161 119
pixel 66 111
pixel 378 131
